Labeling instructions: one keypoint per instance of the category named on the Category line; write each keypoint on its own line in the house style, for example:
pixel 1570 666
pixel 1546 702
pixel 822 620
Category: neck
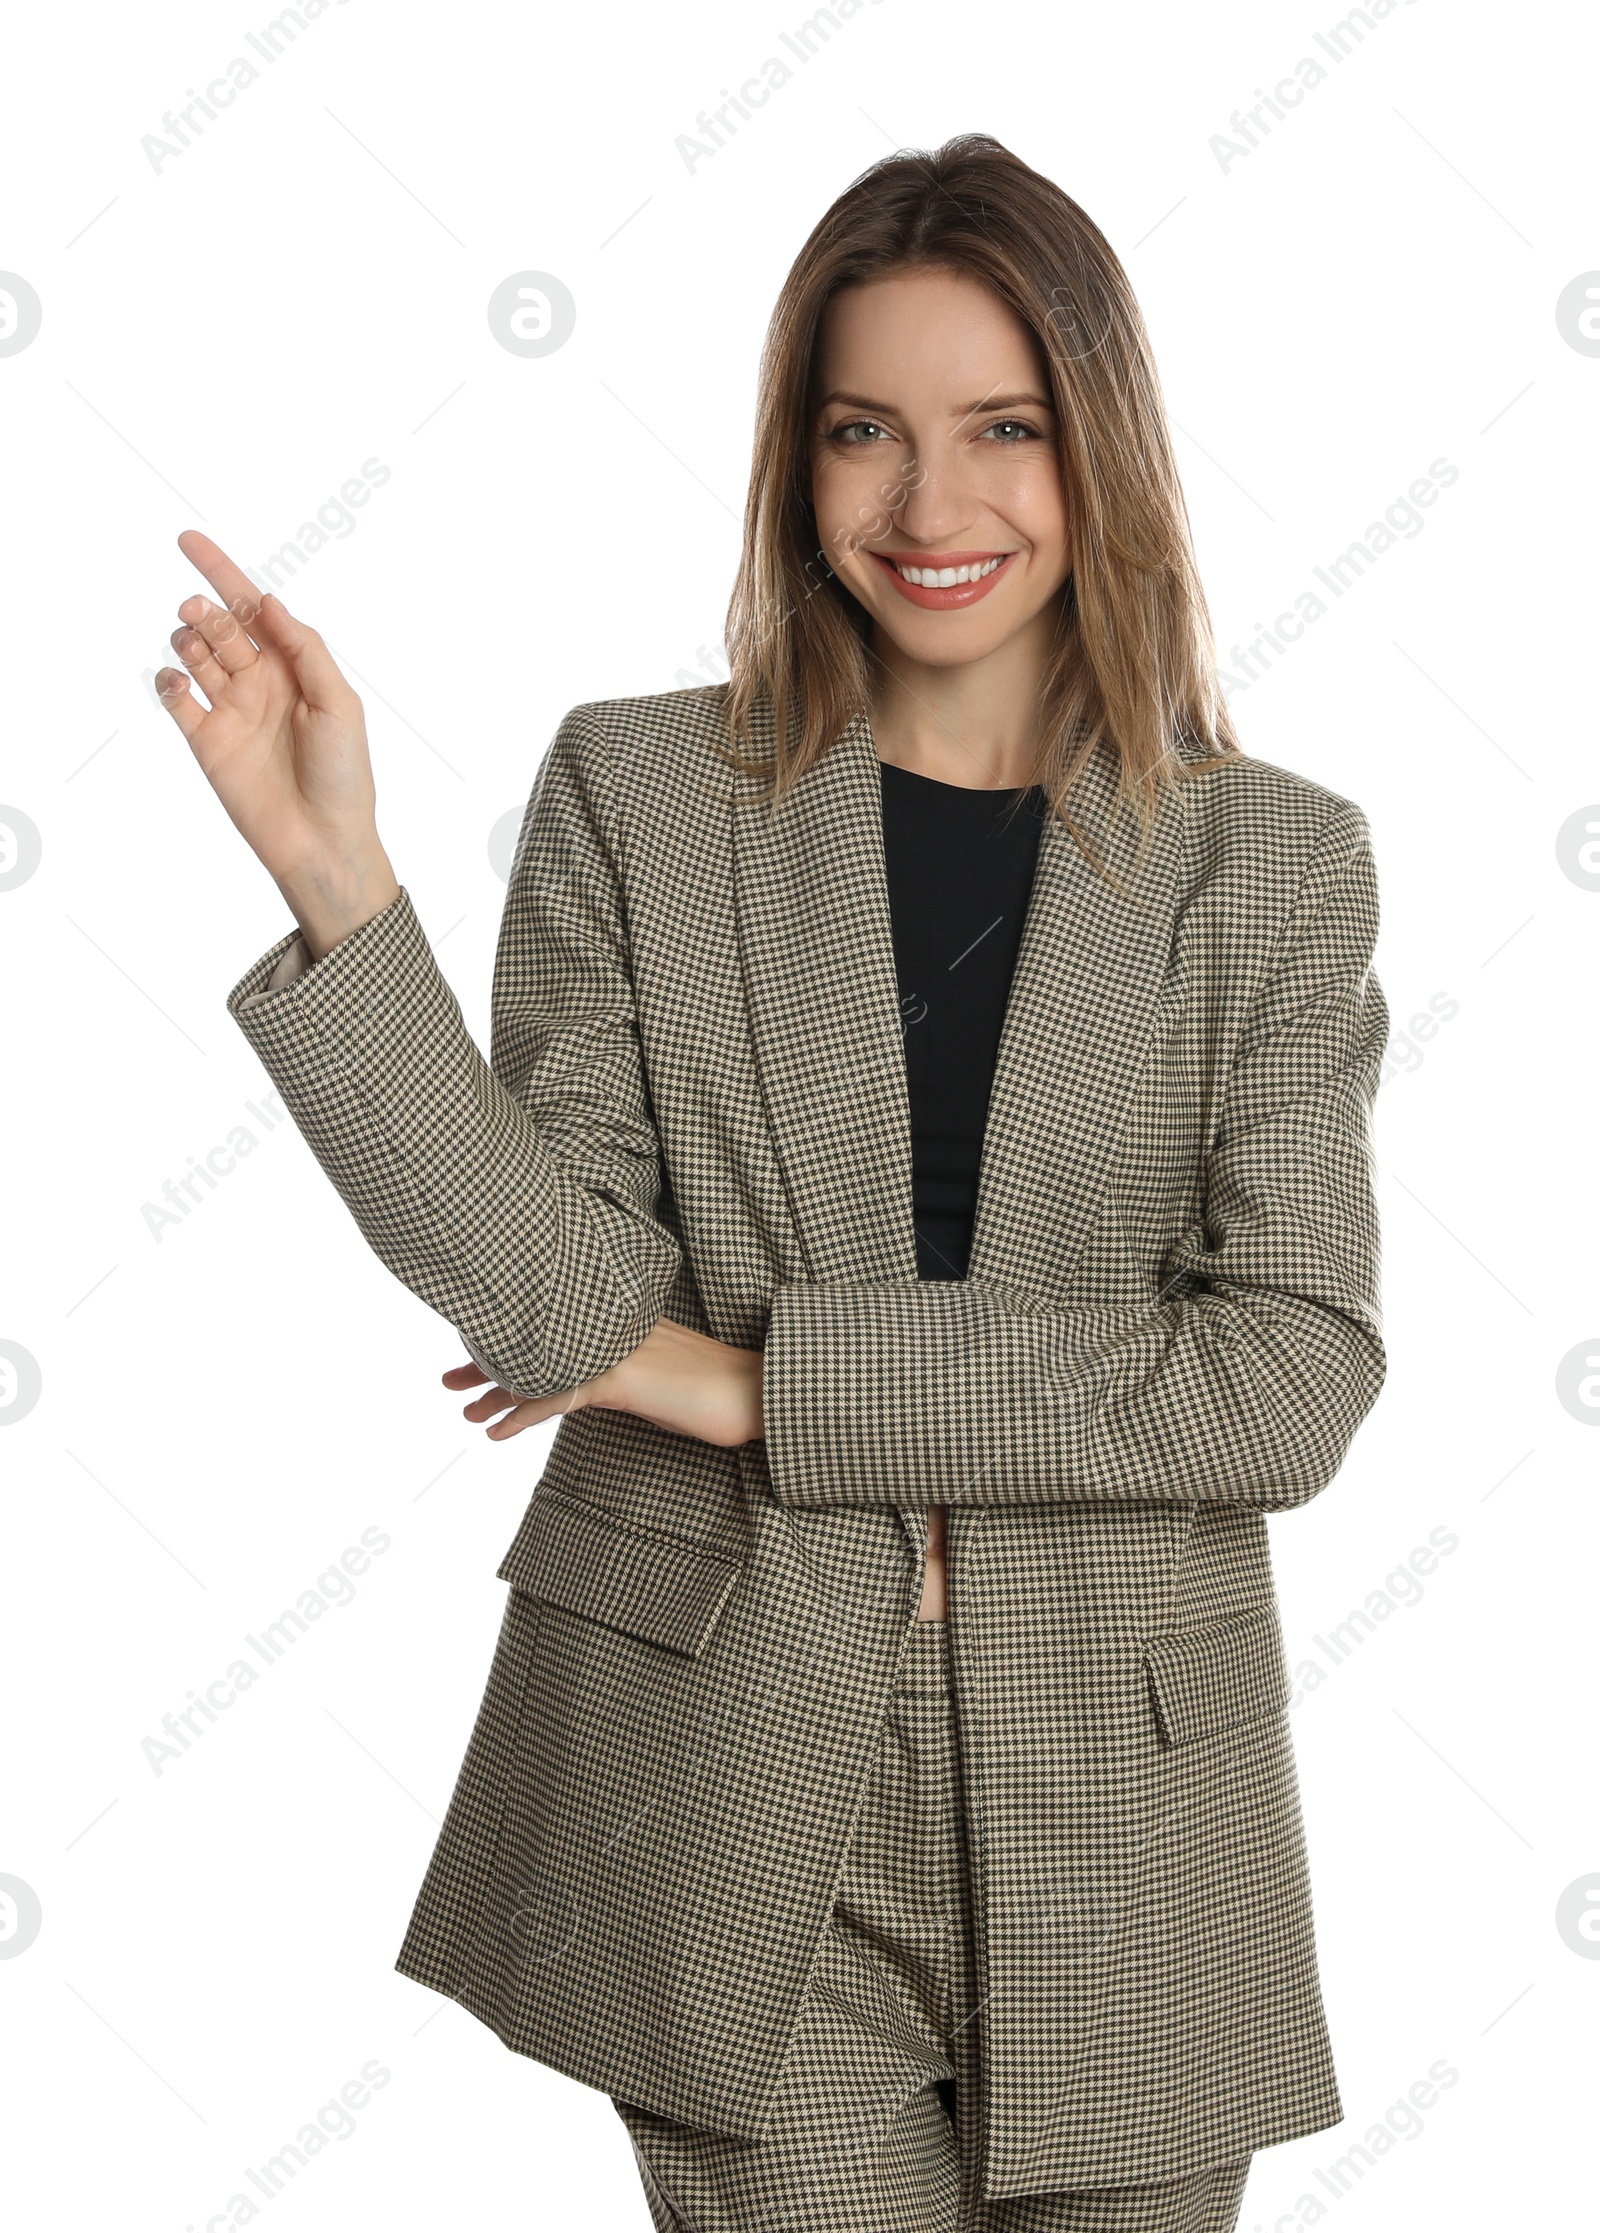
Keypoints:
pixel 976 724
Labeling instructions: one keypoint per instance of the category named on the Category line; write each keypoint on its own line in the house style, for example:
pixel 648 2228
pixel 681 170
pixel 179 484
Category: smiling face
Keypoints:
pixel 935 468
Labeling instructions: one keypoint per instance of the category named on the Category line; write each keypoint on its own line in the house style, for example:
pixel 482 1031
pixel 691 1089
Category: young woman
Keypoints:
pixel 925 1161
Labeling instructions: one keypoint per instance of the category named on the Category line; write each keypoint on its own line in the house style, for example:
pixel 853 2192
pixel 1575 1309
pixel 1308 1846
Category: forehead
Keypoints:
pixel 926 331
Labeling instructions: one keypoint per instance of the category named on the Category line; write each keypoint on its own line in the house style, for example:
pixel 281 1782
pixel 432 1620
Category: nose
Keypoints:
pixel 939 506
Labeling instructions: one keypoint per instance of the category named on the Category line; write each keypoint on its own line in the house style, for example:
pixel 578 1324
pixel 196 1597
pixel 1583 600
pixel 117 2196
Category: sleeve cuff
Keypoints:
pixel 295 962
pixel 284 988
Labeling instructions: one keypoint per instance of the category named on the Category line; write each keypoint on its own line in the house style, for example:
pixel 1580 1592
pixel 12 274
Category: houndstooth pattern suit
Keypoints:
pixel 695 1105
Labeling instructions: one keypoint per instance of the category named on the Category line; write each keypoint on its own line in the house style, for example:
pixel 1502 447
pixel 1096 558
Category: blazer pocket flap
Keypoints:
pixel 1204 1680
pixel 661 1587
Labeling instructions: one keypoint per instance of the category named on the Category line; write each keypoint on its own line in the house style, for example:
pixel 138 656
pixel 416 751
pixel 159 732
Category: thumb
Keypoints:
pixel 321 683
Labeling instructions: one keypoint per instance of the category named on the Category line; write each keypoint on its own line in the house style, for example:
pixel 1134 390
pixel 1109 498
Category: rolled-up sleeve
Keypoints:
pixel 517 1197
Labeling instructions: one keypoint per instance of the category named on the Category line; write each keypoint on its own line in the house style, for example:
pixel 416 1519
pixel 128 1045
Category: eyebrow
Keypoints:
pixel 965 411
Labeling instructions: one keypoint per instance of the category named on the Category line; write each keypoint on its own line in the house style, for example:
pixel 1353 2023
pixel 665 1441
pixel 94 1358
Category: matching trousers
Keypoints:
pixel 876 2125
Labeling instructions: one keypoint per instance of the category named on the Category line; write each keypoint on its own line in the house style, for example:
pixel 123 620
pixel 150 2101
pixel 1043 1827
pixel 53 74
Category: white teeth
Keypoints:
pixel 946 577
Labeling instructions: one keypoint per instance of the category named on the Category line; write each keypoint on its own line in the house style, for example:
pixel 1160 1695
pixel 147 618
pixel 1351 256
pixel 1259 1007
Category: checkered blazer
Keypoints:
pixel 695 1105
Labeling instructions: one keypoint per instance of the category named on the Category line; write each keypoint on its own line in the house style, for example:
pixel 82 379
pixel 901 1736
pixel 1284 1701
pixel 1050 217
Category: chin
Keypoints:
pixel 942 644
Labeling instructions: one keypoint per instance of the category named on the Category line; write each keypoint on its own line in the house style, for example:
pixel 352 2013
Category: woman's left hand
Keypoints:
pixel 678 1379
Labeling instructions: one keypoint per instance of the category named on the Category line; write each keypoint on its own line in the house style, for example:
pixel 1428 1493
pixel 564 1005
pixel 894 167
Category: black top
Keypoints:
pixel 960 867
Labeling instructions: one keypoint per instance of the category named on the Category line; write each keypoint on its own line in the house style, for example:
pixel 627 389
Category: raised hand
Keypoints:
pixel 283 743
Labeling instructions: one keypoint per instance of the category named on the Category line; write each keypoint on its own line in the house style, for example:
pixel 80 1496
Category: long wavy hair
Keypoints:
pixel 1132 664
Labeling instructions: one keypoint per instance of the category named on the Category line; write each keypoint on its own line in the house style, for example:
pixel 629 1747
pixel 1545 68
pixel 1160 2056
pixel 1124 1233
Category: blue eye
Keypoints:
pixel 840 433
pixel 1022 427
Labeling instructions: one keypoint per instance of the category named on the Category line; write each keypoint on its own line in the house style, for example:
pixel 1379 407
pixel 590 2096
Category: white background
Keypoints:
pixel 227 1406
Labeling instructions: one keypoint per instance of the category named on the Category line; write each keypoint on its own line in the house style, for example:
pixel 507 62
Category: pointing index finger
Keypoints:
pixel 229 581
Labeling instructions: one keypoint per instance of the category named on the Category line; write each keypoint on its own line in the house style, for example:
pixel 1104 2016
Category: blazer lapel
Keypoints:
pixel 1099 979
pixel 1095 978
pixel 818 956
